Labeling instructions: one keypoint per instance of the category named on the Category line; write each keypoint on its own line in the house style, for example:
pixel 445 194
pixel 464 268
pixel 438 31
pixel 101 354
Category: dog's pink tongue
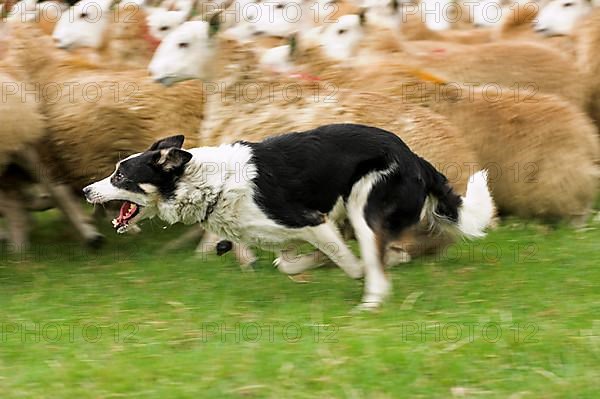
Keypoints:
pixel 125 213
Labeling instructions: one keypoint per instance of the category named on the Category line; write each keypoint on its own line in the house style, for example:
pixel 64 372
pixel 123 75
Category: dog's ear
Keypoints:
pixel 171 159
pixel 169 142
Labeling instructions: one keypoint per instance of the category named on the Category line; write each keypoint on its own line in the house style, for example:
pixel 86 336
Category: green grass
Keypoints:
pixel 174 326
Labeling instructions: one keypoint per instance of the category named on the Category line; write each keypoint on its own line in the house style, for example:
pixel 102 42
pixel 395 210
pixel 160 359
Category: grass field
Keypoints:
pixel 516 315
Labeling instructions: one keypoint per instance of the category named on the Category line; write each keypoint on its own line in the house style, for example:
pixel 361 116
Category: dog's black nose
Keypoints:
pixel 86 191
pixel 223 247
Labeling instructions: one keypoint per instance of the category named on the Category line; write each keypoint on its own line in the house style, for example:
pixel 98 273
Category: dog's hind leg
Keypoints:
pixel 291 263
pixel 327 239
pixel 372 248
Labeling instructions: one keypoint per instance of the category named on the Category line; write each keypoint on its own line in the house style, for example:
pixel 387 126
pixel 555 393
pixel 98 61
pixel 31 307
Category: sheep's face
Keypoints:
pixel 559 17
pixel 142 182
pixel 340 40
pixel 184 54
pixel 82 25
pixel 269 18
pixel 163 22
pixel 388 13
pixel 277 59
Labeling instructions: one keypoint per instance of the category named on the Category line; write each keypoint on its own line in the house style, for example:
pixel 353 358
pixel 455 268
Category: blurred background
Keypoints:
pixel 510 87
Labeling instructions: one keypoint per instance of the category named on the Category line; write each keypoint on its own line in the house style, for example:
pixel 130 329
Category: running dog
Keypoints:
pixel 293 188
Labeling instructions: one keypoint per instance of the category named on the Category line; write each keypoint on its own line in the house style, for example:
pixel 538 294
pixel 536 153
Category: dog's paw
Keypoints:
pixel 287 267
pixel 367 307
pixel 223 247
pixel 247 268
pixel 95 241
pixel 397 256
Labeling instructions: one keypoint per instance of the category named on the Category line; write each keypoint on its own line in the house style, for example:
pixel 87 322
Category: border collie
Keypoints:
pixel 293 187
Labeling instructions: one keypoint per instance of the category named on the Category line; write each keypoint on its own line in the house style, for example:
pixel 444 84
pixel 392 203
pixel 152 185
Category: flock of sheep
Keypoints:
pixel 510 87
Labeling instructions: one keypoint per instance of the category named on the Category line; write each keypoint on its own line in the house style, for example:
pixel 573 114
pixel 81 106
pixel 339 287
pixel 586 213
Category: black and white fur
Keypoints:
pixel 293 187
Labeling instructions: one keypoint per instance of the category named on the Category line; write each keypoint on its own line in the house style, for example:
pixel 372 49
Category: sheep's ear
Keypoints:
pixel 362 16
pixel 293 43
pixel 169 142
pixel 171 159
pixel 214 23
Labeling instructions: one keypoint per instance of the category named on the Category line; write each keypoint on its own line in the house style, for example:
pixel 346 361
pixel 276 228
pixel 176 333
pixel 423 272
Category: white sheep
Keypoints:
pixel 162 22
pixel 517 65
pixel 124 35
pixel 121 38
pixel 83 25
pixel 95 115
pixel 560 17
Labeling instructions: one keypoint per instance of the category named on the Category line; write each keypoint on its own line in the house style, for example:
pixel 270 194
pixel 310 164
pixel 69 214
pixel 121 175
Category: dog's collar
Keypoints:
pixel 211 207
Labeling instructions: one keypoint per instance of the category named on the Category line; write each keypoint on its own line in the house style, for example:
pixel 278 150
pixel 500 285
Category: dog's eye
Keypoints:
pixel 83 15
pixel 184 45
pixel 567 4
pixel 341 31
pixel 164 28
pixel 279 6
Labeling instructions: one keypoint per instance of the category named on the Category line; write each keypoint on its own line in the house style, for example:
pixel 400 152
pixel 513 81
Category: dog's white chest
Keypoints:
pixel 238 217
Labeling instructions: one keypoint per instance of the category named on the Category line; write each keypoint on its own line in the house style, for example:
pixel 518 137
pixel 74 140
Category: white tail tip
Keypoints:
pixel 477 209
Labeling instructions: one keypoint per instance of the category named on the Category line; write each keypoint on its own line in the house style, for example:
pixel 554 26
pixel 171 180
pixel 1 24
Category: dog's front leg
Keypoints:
pixel 244 254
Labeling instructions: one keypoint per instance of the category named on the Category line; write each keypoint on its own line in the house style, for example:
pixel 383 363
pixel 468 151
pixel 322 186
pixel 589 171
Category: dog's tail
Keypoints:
pixel 445 210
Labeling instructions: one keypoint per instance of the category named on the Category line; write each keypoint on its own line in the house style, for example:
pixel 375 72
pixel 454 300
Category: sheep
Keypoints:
pixel 233 68
pixel 22 131
pixel 245 20
pixel 559 17
pixel 44 14
pixel 119 38
pixel 514 65
pixel 95 115
pixel 162 22
pixel 586 34
pixel 587 38
pixel 83 25
pixel 519 25
pixel 545 152
pixel 531 157
pixel 416 25
pixel 22 127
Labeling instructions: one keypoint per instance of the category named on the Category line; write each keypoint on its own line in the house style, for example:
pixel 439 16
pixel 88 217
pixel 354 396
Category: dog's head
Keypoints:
pixel 142 181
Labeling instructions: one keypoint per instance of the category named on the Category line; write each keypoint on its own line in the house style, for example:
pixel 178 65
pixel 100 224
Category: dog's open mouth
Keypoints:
pixel 128 212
